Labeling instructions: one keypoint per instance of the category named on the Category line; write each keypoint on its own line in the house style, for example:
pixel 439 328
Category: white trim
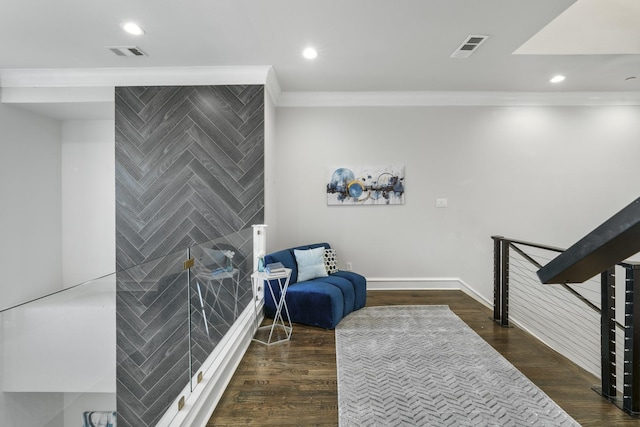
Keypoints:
pixel 272 86
pixel 265 74
pixel 412 279
pixel 472 292
pixel 145 76
pixel 58 95
pixel 217 370
pixel 427 284
pixel 426 99
pixel 409 283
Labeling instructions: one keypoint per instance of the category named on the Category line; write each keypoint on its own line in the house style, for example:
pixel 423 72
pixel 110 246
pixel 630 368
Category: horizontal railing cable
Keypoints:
pixel 554 314
pixel 566 317
pixel 594 305
pixel 593 323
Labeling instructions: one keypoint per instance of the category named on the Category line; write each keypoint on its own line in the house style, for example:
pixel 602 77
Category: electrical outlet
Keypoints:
pixel 349 266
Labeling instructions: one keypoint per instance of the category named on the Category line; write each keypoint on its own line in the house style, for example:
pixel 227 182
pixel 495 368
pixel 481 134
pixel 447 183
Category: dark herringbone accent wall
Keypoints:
pixel 189 169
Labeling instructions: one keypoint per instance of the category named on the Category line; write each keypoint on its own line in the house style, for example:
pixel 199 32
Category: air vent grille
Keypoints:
pixel 475 40
pixel 468 46
pixel 126 50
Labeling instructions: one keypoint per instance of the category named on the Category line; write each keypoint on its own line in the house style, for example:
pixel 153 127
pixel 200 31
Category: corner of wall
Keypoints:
pixel 270 159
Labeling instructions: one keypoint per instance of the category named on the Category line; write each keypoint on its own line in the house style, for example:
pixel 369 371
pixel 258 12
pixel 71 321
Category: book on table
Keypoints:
pixel 275 268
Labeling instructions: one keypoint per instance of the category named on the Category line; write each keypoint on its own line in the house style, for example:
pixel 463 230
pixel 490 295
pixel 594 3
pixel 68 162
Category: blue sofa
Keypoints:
pixel 321 301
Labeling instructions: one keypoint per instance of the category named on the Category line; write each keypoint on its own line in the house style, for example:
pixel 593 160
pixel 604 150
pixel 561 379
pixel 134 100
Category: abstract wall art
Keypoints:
pixel 365 185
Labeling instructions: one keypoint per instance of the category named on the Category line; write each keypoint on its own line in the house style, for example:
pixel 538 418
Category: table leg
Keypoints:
pixel 278 320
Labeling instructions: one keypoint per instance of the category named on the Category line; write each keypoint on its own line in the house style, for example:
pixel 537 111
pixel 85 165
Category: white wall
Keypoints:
pixel 32 410
pixel 30 252
pixel 57 188
pixel 63 343
pixel 58 357
pixel 270 173
pixel 543 174
pixel 88 200
pixel 29 409
pixel 30 207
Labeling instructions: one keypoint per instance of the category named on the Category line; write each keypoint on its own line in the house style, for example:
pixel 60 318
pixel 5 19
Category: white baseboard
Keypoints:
pixel 425 283
pixel 217 371
pixel 410 283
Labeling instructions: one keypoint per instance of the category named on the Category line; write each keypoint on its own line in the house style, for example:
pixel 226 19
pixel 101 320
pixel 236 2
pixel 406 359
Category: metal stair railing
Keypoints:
pixel 510 259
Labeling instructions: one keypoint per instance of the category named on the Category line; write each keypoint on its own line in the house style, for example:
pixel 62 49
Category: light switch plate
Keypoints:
pixel 442 203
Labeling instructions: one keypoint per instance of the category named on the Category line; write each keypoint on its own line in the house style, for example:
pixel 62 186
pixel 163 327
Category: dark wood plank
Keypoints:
pixel 295 383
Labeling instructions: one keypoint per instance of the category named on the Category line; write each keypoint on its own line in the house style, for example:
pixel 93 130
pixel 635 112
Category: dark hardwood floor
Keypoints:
pixel 294 383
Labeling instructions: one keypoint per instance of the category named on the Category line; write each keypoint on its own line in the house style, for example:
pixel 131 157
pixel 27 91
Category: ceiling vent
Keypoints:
pixel 126 51
pixel 468 46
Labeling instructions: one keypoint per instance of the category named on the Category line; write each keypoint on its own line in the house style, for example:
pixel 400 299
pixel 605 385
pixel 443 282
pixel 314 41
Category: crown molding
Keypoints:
pixel 273 86
pixel 29 78
pixel 59 95
pixel 144 76
pixel 427 99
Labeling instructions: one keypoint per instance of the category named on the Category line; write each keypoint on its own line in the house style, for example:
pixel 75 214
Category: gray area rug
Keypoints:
pixel 423 366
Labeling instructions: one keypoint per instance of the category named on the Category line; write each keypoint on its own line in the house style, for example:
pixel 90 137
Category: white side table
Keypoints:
pixel 263 278
pixel 209 278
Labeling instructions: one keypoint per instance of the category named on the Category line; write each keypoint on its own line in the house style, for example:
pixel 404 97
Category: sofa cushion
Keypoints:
pixel 310 303
pixel 310 263
pixel 347 289
pixel 287 258
pixel 359 285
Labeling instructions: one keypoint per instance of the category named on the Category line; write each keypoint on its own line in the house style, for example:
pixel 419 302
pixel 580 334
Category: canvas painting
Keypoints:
pixel 365 185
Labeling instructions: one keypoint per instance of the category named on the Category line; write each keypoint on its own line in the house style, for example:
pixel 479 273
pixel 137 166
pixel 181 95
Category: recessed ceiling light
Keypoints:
pixel 557 79
pixel 132 28
pixel 310 53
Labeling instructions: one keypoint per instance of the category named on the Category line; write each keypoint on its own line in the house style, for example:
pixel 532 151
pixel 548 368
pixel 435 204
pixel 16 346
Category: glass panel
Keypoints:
pixel 220 290
pixel 58 357
pixel 152 324
pixel 121 344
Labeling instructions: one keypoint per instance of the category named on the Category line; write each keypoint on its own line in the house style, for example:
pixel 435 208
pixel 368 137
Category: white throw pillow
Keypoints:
pixel 310 263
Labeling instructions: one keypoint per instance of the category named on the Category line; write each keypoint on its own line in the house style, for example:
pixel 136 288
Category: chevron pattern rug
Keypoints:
pixel 423 366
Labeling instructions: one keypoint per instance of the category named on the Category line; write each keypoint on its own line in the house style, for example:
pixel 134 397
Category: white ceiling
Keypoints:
pixel 364 45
